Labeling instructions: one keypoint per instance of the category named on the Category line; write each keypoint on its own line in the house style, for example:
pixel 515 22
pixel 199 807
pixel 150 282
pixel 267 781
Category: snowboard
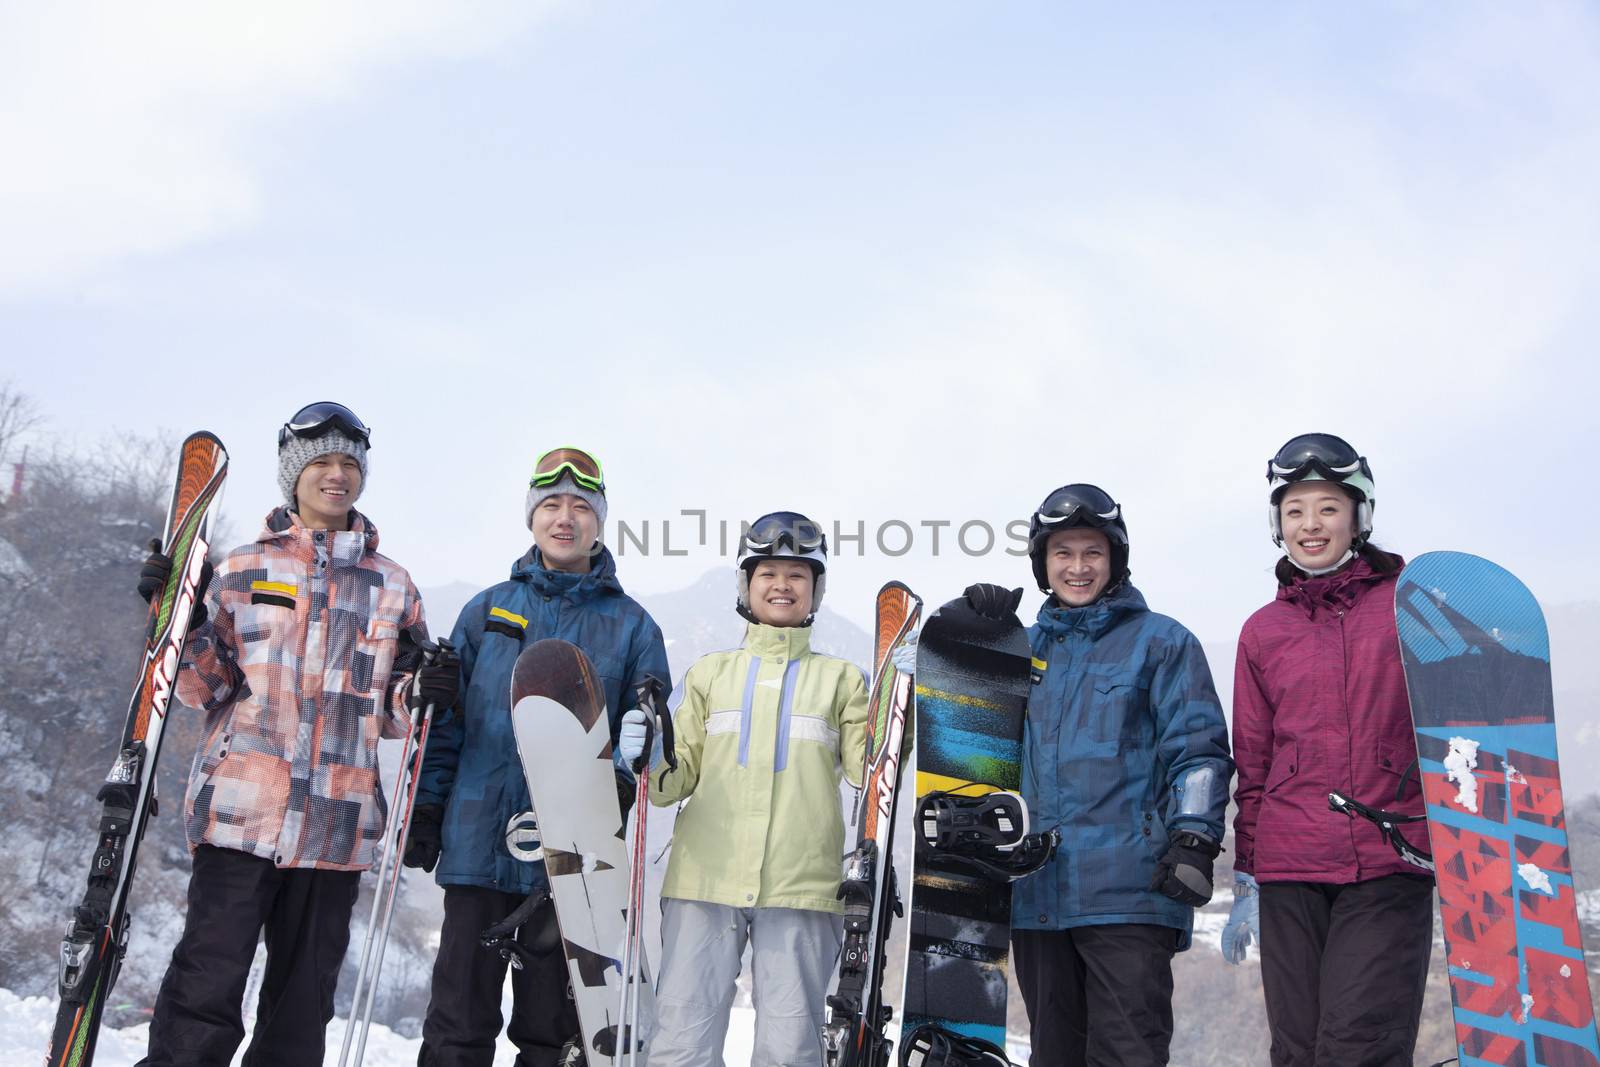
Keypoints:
pixel 564 741
pixel 854 1033
pixel 1477 664
pixel 972 683
pixel 91 954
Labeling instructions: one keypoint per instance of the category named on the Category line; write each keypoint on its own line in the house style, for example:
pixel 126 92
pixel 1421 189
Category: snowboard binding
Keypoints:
pixel 522 837
pixel 934 1046
pixel 502 936
pixel 988 833
pixel 1388 824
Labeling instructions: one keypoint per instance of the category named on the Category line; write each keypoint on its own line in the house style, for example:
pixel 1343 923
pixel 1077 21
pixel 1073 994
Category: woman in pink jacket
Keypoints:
pixel 1319 706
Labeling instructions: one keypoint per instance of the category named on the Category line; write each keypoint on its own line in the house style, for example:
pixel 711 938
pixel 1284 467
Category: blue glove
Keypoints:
pixel 1244 921
pixel 635 729
pixel 904 655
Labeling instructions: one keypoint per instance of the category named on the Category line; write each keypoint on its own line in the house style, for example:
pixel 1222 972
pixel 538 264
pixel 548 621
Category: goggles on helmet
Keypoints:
pixel 574 463
pixel 1079 505
pixel 769 532
pixel 314 420
pixel 1321 455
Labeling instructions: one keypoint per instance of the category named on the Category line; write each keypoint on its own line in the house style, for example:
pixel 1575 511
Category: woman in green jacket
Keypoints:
pixel 764 734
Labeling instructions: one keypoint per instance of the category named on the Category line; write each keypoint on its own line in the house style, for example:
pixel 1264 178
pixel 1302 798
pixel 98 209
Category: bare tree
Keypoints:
pixel 18 416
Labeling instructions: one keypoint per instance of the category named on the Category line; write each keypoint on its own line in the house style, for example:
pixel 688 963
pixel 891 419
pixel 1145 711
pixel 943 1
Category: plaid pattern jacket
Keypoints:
pixel 301 665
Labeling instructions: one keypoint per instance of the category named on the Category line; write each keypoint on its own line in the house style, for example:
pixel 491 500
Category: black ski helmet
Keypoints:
pixel 1078 505
pixel 1321 457
pixel 783 535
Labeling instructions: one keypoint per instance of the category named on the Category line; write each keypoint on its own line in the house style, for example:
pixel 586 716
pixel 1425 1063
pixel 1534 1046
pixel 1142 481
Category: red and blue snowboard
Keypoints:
pixel 1477 662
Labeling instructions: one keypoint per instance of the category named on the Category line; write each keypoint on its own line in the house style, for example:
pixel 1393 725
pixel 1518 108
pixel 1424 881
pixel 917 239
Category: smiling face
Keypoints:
pixel 1078 564
pixel 780 592
pixel 327 490
pixel 565 528
pixel 1319 523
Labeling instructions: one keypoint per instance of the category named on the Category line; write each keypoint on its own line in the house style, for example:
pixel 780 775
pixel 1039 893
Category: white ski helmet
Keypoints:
pixel 1321 457
pixel 783 535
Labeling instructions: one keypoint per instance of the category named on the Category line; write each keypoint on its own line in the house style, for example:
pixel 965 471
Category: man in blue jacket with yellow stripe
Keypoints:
pixel 1126 751
pixel 472 783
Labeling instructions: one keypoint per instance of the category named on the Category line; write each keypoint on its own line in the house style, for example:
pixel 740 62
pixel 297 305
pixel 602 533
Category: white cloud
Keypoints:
pixel 127 126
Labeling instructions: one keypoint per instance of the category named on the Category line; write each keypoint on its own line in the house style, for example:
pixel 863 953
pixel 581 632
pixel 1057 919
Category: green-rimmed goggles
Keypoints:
pixel 574 463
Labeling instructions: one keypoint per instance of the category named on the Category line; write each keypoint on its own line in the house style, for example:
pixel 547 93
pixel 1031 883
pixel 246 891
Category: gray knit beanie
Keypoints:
pixel 296 452
pixel 536 493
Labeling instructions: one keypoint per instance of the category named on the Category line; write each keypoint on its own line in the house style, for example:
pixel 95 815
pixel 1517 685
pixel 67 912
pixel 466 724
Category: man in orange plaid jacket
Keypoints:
pixel 305 652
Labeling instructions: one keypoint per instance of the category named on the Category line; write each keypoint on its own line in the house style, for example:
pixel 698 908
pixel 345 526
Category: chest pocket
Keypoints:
pixel 503 622
pixel 373 662
pixel 1119 709
pixel 266 634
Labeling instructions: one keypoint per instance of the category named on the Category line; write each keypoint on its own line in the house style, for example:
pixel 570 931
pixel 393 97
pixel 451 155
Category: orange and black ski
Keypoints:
pixel 91 953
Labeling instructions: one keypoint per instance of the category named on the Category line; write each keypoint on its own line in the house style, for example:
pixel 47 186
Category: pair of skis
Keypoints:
pixel 854 1033
pixel 972 679
pixel 97 938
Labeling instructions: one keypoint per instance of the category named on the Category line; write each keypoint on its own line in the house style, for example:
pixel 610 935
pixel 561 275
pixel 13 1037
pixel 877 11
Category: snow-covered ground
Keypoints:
pixel 25 1024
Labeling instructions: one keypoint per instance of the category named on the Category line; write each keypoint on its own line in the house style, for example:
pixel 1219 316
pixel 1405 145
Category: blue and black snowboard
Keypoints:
pixel 972 684
pixel 1477 661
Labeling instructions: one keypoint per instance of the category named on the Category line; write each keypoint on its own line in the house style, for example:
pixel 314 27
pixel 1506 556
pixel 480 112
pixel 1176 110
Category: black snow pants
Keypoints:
pixel 232 896
pixel 1344 967
pixel 1097 996
pixel 464 1019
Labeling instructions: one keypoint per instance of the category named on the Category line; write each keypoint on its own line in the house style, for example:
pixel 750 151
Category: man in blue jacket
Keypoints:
pixel 1126 751
pixel 472 784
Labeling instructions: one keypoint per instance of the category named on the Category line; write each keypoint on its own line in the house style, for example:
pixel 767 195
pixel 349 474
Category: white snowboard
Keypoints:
pixel 564 741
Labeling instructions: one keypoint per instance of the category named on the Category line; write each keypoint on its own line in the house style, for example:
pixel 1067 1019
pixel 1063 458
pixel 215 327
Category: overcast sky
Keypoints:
pixel 920 262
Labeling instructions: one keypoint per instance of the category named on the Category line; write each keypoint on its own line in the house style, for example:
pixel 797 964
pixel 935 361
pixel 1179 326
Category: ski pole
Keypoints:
pixel 633 963
pixel 389 869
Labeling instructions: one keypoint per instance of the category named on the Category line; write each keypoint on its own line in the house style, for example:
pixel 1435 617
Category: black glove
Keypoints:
pixel 993 601
pixel 1184 871
pixel 438 680
pixel 423 842
pixel 158 568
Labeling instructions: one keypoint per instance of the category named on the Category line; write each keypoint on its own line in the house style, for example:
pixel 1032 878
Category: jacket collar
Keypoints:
pixel 1332 592
pixel 1094 619
pixel 781 643
pixel 284 529
pixel 600 579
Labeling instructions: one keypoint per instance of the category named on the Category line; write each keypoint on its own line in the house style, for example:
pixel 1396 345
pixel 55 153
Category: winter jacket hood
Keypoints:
pixel 1320 705
pixel 1092 620
pixel 1333 592
pixel 472 769
pixel 764 734
pixel 301 666
pixel 1124 746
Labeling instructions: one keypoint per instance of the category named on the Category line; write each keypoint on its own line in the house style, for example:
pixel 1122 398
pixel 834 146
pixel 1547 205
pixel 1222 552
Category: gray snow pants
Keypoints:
pixel 794 954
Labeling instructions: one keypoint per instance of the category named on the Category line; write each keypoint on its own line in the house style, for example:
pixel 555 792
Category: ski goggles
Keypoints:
pixel 314 420
pixel 1078 505
pixel 769 531
pixel 574 463
pixel 1322 454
